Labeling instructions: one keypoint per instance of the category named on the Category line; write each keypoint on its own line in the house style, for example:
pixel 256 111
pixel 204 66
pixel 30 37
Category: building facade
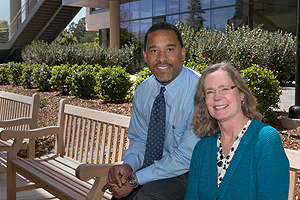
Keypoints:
pixel 137 16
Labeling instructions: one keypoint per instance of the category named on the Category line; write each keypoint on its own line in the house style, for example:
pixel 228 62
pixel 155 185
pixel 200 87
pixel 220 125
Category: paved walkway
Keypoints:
pixel 287 99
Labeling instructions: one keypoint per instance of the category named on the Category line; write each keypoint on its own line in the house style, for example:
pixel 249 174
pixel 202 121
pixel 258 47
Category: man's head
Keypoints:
pixel 163 26
pixel 164 52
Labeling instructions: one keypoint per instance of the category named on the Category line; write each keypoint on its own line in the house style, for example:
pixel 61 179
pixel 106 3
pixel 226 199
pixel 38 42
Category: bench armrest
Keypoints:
pixel 33 133
pixel 15 122
pixel 86 172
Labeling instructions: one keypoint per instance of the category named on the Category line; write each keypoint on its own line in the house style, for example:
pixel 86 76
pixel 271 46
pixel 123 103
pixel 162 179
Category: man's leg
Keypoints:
pixel 166 189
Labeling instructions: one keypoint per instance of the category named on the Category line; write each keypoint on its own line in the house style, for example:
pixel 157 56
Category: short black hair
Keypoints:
pixel 163 26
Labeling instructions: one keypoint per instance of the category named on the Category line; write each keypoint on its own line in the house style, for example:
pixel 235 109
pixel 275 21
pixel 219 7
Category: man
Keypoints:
pixel 166 177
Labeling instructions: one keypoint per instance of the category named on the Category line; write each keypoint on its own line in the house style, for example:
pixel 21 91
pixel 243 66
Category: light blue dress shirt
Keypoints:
pixel 180 137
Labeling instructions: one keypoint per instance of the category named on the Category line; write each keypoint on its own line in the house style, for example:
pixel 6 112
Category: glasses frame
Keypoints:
pixel 231 88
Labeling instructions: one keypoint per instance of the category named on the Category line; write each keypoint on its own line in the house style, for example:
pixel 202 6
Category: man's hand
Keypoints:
pixel 118 175
pixel 120 192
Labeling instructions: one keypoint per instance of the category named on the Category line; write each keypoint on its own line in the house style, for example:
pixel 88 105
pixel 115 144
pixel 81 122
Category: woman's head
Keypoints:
pixel 221 94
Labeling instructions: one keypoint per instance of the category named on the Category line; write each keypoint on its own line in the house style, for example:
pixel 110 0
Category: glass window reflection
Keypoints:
pixel 172 19
pixel 221 17
pixel 219 3
pixel 189 5
pixel 172 6
pixel 276 15
pixel 146 8
pixel 159 7
pixel 197 20
pixel 124 12
pixel 140 9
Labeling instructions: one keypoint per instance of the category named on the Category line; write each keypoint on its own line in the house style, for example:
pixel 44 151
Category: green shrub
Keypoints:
pixel 113 83
pixel 196 67
pixel 123 57
pixel 265 88
pixel 35 53
pixel 241 47
pixel 59 74
pixel 82 80
pixel 41 76
pixel 15 72
pixel 27 76
pixel 4 76
pixel 140 77
pixel 39 52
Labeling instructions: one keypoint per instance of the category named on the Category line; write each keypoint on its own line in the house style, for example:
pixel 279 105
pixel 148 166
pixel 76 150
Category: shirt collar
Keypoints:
pixel 173 87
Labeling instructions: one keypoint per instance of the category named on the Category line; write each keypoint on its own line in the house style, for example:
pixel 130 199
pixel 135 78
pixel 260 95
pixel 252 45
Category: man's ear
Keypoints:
pixel 183 52
pixel 145 56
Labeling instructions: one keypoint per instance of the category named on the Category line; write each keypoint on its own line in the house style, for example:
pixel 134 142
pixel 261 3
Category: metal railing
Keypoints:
pixel 21 16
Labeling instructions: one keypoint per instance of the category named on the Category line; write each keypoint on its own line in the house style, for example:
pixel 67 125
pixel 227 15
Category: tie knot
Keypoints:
pixel 162 90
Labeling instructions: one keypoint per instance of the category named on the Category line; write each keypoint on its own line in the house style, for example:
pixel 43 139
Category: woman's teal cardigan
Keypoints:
pixel 259 168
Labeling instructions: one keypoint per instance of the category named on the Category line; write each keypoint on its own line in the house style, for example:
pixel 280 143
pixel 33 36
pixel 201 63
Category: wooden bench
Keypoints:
pixel 294 158
pixel 82 136
pixel 18 112
pixel 95 138
pixel 87 171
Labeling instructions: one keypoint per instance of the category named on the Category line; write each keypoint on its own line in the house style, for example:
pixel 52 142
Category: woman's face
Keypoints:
pixel 222 97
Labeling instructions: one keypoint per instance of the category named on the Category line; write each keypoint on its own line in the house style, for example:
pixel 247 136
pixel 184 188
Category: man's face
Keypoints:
pixel 164 55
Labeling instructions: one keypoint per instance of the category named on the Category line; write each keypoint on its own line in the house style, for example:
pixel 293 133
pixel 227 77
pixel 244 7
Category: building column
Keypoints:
pixel 114 23
pixel 14 7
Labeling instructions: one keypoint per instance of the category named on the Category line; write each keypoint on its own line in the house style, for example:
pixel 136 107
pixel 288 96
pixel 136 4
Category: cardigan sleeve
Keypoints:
pixel 272 166
pixel 193 181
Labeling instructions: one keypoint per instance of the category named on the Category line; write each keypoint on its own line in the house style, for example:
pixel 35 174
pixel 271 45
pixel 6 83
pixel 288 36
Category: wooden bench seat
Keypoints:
pixel 82 136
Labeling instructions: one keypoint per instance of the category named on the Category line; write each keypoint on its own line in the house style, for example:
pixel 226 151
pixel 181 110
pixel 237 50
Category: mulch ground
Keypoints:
pixel 48 114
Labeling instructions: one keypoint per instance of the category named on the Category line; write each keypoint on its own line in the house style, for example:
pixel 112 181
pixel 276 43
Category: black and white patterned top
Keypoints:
pixel 222 161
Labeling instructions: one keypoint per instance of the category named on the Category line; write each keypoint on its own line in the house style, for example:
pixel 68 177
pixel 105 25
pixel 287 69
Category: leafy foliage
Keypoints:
pixel 79 32
pixel 15 72
pixel 39 52
pixel 66 38
pixel 113 83
pixel 265 88
pixel 59 74
pixel 41 75
pixel 27 77
pixel 242 47
pixel 82 80
pixel 4 76
pixel 4 31
pixel 140 77
pixel 196 67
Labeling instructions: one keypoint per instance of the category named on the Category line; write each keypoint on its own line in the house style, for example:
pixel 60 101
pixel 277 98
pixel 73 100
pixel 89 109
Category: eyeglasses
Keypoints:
pixel 209 94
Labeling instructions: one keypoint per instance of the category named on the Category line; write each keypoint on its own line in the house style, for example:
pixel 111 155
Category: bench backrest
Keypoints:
pixel 13 106
pixel 91 136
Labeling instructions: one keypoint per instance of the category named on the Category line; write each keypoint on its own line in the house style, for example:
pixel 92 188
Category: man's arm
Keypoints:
pixel 175 163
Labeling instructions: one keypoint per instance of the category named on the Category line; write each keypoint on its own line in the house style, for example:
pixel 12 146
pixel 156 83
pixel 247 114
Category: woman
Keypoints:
pixel 238 157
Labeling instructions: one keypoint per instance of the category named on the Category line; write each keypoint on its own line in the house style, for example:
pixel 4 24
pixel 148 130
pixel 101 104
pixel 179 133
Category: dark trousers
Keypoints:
pixel 165 189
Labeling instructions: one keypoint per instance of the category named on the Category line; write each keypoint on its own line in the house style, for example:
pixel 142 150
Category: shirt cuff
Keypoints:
pixel 132 162
pixel 145 175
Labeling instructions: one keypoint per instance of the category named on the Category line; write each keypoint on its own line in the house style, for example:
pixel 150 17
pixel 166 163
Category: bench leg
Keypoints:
pixel 293 181
pixel 11 190
pixel 96 192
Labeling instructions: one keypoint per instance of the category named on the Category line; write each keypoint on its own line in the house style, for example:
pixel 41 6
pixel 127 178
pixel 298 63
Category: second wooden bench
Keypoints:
pixel 82 136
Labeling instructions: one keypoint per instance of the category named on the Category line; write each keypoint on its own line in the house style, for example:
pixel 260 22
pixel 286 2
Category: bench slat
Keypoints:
pixel 45 181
